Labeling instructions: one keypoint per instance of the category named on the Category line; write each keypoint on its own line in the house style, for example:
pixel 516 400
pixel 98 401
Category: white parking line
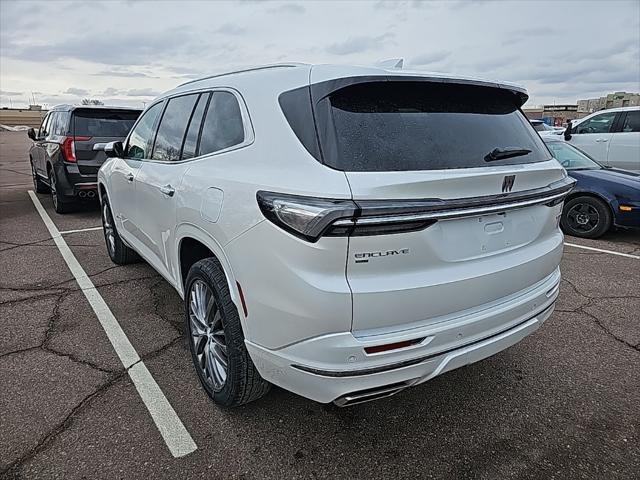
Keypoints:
pixel 602 250
pixel 169 424
pixel 90 229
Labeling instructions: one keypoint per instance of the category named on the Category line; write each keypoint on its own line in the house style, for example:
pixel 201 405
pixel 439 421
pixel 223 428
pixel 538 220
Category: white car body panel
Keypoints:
pixel 470 286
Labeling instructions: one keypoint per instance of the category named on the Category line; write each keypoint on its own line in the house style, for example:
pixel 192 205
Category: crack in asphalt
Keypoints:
pixel 67 422
pixel 590 302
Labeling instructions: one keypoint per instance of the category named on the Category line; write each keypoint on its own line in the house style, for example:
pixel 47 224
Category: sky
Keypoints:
pixel 126 53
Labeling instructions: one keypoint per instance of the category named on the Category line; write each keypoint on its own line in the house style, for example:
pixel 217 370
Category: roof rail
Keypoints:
pixel 249 69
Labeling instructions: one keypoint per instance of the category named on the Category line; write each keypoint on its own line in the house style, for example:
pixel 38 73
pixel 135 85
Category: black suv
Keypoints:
pixel 63 159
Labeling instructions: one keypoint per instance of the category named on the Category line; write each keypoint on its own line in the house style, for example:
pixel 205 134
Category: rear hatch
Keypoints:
pixel 98 125
pixel 449 178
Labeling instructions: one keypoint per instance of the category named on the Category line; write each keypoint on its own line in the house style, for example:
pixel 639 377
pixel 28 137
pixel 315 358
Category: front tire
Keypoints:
pixel 586 217
pixel 119 253
pixel 216 340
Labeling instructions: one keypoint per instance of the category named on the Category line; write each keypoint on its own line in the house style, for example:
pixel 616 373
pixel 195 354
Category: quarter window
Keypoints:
pixel 598 124
pixel 141 137
pixel 173 127
pixel 45 124
pixel 632 122
pixel 223 127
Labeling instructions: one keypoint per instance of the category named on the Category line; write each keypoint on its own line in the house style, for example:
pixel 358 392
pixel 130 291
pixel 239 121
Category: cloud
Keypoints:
pixel 122 73
pixel 142 92
pixel 429 58
pixel 6 93
pixel 110 91
pixel 80 92
pixel 359 44
pixel 230 29
pixel 295 8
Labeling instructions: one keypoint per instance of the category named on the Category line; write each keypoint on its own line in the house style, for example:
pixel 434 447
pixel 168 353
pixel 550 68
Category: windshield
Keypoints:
pixel 413 125
pixel 571 158
pixel 541 127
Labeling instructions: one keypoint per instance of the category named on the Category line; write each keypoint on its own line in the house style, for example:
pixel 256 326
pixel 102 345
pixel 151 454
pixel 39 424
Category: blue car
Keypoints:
pixel 603 198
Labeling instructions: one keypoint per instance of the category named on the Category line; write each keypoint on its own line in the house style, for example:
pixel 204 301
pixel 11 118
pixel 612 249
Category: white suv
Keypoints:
pixel 342 232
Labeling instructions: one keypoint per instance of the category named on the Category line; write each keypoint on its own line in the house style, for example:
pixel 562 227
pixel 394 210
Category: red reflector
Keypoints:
pixel 392 346
pixel 244 305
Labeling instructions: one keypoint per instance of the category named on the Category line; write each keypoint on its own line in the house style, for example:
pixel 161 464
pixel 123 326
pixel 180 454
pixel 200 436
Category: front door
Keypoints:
pixel 593 135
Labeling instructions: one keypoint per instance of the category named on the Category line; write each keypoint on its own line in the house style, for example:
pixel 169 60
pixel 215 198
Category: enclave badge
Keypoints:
pixel 507 183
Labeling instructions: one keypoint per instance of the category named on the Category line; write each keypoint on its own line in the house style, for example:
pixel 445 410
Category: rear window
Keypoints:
pixel 104 123
pixel 416 125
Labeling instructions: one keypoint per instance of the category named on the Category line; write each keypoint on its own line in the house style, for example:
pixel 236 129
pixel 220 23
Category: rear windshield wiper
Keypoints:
pixel 500 153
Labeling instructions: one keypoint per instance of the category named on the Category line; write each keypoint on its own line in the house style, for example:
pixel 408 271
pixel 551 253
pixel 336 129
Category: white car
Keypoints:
pixel 612 137
pixel 544 129
pixel 342 232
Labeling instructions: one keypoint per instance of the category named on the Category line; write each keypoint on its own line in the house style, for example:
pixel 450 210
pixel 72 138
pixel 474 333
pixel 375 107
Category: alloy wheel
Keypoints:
pixel 107 225
pixel 583 217
pixel 207 334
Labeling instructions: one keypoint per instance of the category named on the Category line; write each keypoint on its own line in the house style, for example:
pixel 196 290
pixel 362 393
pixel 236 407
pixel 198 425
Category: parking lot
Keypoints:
pixel 563 403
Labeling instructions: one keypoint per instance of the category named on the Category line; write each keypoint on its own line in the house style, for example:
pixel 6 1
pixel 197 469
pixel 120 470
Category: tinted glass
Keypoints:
pixel 104 123
pixel 598 124
pixel 141 138
pixel 173 126
pixel 399 126
pixel 45 125
pixel 570 157
pixel 223 126
pixel 61 126
pixel 632 122
pixel 191 139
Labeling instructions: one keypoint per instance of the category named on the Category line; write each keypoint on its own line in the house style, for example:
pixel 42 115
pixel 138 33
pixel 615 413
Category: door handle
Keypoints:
pixel 599 140
pixel 168 190
pixel 129 177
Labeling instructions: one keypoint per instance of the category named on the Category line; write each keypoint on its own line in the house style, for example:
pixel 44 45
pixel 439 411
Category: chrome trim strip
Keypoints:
pixel 459 208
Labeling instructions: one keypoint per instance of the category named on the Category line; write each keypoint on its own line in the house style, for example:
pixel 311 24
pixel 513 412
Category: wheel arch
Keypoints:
pixel 592 194
pixel 193 245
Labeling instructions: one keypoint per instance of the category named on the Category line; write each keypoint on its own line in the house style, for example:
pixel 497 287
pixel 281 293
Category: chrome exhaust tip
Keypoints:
pixel 91 194
pixel 82 194
pixel 371 394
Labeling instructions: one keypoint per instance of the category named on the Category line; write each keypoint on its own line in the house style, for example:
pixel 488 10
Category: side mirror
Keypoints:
pixel 567 131
pixel 31 133
pixel 114 149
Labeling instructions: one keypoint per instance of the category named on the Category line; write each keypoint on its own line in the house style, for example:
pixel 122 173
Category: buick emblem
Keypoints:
pixel 507 183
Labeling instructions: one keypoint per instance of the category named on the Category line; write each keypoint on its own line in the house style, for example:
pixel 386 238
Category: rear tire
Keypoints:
pixel 216 340
pixel 59 203
pixel 119 253
pixel 586 217
pixel 38 185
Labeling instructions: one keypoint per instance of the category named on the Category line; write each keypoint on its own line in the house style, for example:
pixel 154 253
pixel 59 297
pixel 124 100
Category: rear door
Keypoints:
pixel 98 125
pixel 38 151
pixel 594 134
pixel 412 147
pixel 624 148
pixel 160 177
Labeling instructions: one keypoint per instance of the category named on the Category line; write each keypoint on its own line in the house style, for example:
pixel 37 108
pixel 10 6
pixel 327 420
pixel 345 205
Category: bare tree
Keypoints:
pixel 91 101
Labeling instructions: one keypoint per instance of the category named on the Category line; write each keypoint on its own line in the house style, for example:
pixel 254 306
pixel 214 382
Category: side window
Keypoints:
pixel 223 127
pixel 632 122
pixel 599 124
pixel 173 126
pixel 45 124
pixel 193 132
pixel 141 138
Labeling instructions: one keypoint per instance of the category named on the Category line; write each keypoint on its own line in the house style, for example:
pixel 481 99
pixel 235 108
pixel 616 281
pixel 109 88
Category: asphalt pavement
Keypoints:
pixel 564 403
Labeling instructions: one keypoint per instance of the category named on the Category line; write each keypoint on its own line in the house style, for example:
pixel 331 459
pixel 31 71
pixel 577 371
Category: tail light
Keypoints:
pixel 310 218
pixel 69 148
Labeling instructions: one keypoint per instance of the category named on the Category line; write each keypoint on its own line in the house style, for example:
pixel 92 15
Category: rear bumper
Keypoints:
pixel 335 367
pixel 72 184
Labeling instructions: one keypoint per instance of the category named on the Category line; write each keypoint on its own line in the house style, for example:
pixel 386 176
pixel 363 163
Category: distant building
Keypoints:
pixel 613 100
pixel 556 115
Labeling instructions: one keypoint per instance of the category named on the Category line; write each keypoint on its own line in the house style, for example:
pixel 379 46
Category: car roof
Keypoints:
pixel 69 108
pixel 314 73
